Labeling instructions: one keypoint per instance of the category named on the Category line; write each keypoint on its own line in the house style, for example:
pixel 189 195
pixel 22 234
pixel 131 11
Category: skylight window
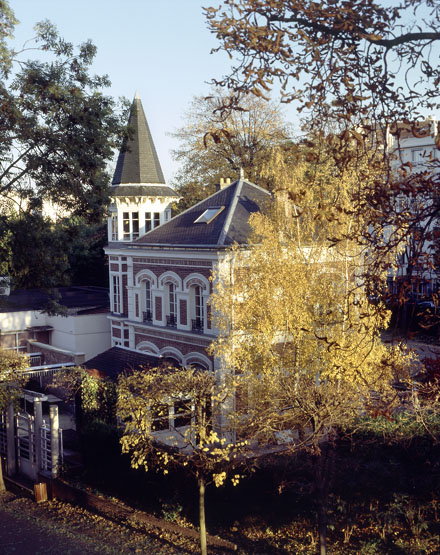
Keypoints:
pixel 208 215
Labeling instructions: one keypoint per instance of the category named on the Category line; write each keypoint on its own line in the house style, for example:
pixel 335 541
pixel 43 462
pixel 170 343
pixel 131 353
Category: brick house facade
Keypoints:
pixel 161 267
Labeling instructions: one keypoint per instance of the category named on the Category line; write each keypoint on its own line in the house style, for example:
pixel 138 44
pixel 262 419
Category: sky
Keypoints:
pixel 160 48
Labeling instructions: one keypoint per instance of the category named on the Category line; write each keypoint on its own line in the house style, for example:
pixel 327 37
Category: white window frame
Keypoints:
pixel 116 294
pixel 147 300
pixel 114 226
pixel 129 218
pixel 171 302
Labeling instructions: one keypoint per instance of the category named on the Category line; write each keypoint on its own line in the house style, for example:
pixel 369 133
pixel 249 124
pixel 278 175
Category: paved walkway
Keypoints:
pixel 24 535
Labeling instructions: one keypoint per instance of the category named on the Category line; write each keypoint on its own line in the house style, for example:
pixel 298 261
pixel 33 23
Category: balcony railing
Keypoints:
pixel 197 325
pixel 147 316
pixel 171 321
pixel 35 359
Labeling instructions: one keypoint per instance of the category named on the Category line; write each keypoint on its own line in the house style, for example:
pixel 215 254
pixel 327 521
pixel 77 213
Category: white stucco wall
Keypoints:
pixel 15 321
pixel 87 333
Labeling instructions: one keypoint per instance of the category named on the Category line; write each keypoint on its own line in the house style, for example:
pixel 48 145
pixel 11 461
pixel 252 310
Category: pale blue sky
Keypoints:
pixel 161 48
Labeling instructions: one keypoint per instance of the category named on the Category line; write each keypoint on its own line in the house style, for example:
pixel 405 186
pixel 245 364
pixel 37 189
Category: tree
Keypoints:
pixel 296 324
pixel 58 133
pixel 215 144
pixel 12 379
pixel 58 129
pixel 346 57
pixel 7 24
pixel 362 70
pixel 94 395
pixel 70 251
pixel 145 399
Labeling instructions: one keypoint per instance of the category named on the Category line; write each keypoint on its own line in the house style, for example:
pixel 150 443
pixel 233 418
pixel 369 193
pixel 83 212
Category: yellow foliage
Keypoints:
pixel 12 377
pixel 296 326
pixel 197 446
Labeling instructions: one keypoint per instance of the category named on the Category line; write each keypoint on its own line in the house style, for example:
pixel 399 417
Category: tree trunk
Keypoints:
pixel 323 463
pixel 2 482
pixel 322 522
pixel 203 545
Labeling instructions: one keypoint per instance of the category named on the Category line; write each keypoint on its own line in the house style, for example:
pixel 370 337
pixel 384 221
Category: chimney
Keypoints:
pixel 283 203
pixel 224 182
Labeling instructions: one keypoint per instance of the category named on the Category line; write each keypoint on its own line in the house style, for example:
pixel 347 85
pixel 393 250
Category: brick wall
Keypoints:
pixel 184 346
pixel 182 272
pixel 183 312
pixel 158 308
pixel 50 355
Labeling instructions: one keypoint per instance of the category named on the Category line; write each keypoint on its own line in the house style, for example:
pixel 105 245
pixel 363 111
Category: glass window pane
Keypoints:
pixel 182 413
pixel 147 221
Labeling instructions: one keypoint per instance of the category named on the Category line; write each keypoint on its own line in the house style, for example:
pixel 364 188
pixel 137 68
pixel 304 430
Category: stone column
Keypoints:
pixel 54 439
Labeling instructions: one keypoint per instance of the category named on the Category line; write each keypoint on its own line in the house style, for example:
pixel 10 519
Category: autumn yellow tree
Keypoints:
pixel 295 321
pixel 173 417
pixel 12 378
pixel 215 143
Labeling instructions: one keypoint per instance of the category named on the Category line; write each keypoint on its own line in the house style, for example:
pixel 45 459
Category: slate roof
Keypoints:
pixel 138 162
pixel 116 360
pixel 240 200
pixel 85 299
pixel 143 191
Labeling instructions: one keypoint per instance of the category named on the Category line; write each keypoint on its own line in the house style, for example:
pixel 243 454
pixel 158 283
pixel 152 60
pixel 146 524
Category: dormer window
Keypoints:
pixel 208 215
pixel 130 225
pixel 152 220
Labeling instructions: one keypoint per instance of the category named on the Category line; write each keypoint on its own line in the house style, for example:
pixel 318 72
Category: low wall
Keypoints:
pixel 54 355
pixel 65 492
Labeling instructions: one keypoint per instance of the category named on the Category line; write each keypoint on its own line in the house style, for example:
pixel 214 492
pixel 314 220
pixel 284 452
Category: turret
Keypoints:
pixel 141 200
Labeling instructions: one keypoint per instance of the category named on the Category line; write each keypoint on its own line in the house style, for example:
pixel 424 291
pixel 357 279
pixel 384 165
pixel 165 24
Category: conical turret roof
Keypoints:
pixel 138 163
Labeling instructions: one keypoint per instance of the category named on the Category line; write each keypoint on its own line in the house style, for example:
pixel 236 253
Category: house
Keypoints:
pixel 414 149
pixel 35 437
pixel 161 267
pixel 27 328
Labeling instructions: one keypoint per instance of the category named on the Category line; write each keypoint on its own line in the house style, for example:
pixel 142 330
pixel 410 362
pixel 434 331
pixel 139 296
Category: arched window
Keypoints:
pixel 147 315
pixel 171 302
pixel 197 308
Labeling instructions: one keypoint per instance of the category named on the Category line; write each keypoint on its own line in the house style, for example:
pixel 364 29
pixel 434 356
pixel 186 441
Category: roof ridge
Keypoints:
pixel 232 207
pixel 171 220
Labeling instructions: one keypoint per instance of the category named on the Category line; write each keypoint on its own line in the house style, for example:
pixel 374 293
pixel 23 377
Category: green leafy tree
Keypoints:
pixel 12 379
pixel 94 394
pixel 195 441
pixel 59 131
pixel 7 25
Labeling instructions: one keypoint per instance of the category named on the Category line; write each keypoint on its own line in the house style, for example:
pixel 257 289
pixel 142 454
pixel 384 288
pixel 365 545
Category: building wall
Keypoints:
pixel 188 333
pixel 86 333
pixel 20 320
pixel 145 209
pixel 416 145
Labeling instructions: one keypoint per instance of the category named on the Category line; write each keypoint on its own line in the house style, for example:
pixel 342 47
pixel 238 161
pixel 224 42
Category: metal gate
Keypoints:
pixel 46 446
pixel 25 442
